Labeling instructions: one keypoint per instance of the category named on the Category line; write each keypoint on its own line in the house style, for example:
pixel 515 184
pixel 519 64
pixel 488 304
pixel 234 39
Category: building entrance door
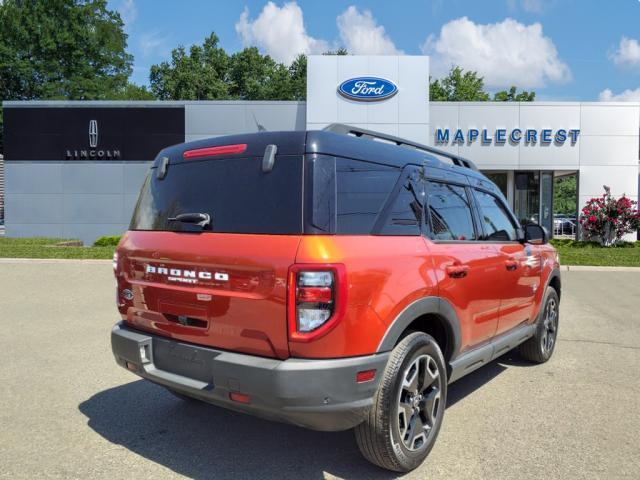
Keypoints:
pixel 526 203
pixel 533 198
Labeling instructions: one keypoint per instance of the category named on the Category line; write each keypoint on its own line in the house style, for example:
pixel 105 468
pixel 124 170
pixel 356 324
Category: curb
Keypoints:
pixel 41 261
pixel 593 268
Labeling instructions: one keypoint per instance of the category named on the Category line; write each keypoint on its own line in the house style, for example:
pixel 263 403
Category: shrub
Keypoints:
pixel 606 219
pixel 107 241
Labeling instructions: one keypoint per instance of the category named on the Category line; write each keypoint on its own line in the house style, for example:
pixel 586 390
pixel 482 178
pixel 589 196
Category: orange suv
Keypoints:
pixel 331 279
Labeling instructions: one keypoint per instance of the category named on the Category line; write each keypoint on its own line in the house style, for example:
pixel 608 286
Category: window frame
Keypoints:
pixel 505 208
pixel 382 219
pixel 472 208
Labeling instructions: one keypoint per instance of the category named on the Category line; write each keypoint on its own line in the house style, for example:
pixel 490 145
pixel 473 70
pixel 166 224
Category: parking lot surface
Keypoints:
pixel 69 412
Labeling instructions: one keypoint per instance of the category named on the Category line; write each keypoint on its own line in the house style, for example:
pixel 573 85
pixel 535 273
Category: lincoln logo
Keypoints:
pixel 92 153
pixel 186 276
pixel 93 133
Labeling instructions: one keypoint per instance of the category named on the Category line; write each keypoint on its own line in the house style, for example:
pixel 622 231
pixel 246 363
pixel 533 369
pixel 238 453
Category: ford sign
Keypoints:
pixel 367 89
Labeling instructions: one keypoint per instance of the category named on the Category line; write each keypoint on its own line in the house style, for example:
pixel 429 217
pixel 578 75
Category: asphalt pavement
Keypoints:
pixel 67 410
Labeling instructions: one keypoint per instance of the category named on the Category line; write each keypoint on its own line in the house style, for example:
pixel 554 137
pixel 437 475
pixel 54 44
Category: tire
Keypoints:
pixel 540 347
pixel 391 436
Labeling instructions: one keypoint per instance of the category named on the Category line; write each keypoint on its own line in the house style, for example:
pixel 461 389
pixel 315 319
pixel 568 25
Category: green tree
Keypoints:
pixel 564 195
pixel 298 74
pixel 458 87
pixel 207 72
pixel 62 49
pixel 339 51
pixel 461 86
pixel 513 96
pixel 200 74
pixel 253 76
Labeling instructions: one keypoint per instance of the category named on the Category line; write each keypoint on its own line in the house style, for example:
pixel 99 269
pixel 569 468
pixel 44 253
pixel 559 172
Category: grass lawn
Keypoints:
pixel 49 248
pixel 571 252
pixel 588 253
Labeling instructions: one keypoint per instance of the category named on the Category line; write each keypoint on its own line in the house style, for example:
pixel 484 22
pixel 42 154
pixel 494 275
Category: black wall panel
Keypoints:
pixel 123 133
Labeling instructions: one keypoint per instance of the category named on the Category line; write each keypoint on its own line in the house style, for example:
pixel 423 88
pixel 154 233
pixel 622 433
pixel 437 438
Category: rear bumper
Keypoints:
pixel 317 394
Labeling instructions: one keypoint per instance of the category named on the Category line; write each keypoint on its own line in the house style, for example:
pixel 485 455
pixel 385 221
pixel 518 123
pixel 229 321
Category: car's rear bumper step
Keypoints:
pixel 319 394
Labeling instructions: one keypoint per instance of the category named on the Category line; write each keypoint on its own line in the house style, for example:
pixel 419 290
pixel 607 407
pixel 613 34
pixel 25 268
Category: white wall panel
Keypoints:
pixel 609 150
pixel 555 117
pixel 608 119
pixel 413 101
pixel 409 106
pixel 322 80
pixel 621 179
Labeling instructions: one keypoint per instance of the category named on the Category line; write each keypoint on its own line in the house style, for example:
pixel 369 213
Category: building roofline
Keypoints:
pixel 138 103
pixel 540 104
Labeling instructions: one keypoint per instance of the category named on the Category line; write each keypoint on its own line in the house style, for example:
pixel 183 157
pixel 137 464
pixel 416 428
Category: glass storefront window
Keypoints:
pixel 546 200
pixel 501 179
pixel 527 197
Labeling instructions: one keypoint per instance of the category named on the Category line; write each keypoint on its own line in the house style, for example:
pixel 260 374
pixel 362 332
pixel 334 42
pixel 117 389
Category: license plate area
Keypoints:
pixel 184 359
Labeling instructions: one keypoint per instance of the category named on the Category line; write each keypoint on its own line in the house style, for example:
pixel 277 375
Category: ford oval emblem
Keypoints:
pixel 367 89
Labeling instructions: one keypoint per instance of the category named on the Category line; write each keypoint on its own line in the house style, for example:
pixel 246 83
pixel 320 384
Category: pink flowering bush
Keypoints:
pixel 606 219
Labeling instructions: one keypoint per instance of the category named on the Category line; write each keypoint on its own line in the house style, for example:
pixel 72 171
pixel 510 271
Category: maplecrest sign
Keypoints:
pixel 500 136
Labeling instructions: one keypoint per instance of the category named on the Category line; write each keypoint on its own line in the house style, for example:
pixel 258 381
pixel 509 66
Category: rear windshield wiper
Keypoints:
pixel 200 219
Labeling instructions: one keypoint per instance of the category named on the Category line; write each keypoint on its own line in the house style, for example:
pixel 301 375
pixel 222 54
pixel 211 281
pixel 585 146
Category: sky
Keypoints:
pixel 564 50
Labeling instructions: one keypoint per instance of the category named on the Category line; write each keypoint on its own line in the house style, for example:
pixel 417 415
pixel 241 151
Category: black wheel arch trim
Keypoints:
pixel 555 273
pixel 425 306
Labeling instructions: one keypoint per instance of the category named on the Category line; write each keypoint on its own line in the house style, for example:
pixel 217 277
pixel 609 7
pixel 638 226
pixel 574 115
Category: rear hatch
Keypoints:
pixel 217 276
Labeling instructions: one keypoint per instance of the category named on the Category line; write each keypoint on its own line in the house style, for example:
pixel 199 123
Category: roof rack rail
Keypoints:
pixel 361 132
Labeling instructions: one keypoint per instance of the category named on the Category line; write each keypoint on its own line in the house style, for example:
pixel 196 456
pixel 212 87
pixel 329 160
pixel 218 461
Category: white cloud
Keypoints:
pixel 627 96
pixel 279 32
pixel 531 6
pixel 128 12
pixel 361 34
pixel 505 53
pixel 152 43
pixel 627 54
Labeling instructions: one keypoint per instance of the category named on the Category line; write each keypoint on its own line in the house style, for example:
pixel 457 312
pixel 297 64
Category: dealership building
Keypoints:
pixel 74 169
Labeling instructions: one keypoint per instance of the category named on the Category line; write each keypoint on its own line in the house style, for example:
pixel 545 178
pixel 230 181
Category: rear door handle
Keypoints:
pixel 511 264
pixel 457 271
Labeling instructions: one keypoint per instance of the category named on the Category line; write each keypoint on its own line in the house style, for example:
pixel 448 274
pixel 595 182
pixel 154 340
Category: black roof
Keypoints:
pixel 331 143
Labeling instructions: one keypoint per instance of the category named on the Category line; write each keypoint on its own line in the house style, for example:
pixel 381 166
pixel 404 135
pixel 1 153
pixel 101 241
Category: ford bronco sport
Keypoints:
pixel 331 279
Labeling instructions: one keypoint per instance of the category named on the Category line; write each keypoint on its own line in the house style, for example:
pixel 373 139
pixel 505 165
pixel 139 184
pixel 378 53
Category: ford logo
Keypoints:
pixel 367 89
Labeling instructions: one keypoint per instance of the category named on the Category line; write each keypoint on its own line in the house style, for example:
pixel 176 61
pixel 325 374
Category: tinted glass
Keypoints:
pixel 496 221
pixel 404 216
pixel 236 193
pixel 362 191
pixel 449 212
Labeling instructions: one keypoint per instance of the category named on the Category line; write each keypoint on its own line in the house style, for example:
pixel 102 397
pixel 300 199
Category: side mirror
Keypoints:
pixel 535 234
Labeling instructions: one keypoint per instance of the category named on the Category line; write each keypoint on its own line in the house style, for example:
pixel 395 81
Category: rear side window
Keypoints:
pixel 236 193
pixel 496 222
pixel 404 211
pixel 450 216
pixel 362 190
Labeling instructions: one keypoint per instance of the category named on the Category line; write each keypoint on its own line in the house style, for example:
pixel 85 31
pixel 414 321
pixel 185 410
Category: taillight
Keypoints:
pixel 317 300
pixel 213 151
pixel 115 261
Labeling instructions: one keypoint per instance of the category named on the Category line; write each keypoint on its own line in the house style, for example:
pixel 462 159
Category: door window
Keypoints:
pixel 449 210
pixel 495 220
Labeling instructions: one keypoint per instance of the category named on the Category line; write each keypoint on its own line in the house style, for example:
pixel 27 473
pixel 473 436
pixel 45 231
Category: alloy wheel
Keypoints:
pixel 419 402
pixel 550 326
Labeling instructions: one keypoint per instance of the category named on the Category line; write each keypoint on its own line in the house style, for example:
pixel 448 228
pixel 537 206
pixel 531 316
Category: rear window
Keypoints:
pixel 237 195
